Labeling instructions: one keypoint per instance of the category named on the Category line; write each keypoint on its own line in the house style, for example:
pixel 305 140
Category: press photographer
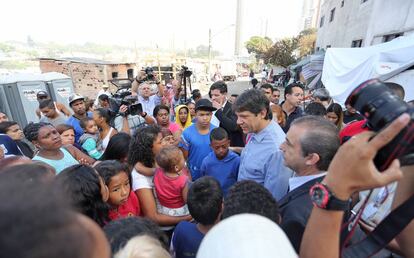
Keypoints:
pixel 131 116
pixel 369 160
pixel 141 86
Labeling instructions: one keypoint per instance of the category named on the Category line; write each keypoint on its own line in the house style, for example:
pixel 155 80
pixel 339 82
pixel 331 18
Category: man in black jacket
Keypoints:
pixel 225 116
pixel 310 145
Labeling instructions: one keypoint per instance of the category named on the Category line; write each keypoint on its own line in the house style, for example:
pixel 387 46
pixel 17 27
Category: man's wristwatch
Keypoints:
pixel 144 114
pixel 322 197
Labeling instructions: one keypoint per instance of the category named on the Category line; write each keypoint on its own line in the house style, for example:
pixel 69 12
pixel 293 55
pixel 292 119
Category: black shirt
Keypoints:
pixel 298 112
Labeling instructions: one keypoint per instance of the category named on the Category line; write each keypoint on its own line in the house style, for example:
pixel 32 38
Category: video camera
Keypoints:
pixel 149 71
pixel 125 98
pixel 185 72
pixel 380 106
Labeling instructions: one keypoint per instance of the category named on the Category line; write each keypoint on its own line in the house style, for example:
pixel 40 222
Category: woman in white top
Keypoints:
pixel 102 118
pixel 144 146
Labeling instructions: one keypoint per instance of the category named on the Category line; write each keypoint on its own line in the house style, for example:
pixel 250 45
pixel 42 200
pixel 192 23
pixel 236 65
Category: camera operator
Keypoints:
pixel 353 170
pixel 129 123
pixel 141 87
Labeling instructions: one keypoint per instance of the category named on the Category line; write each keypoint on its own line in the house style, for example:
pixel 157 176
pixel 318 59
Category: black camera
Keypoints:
pixel 380 106
pixel 150 73
pixel 185 72
pixel 133 107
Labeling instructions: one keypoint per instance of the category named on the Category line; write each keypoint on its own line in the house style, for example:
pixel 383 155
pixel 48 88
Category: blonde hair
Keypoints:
pixel 143 247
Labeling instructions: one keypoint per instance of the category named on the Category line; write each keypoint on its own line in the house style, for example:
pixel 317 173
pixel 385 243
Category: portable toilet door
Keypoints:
pixel 23 101
pixel 60 90
pixel 4 103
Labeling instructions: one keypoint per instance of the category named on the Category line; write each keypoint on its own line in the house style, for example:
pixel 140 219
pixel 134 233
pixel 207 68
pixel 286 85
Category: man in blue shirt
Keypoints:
pixel 77 103
pixel 261 160
pixel 195 140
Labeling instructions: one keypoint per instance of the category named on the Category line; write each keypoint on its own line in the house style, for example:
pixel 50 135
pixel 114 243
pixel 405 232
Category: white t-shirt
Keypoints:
pixel 140 181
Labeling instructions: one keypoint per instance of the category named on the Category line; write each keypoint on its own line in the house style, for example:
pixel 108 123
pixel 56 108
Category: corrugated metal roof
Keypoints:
pixel 84 60
pixel 25 77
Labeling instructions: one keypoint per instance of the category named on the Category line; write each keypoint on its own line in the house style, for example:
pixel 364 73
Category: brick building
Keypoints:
pixel 88 74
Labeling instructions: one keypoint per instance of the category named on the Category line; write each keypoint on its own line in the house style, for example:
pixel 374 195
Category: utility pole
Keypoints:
pixel 239 14
pixel 209 54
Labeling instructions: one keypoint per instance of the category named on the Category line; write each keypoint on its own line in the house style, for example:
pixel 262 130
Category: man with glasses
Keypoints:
pixel 291 104
pixel 60 108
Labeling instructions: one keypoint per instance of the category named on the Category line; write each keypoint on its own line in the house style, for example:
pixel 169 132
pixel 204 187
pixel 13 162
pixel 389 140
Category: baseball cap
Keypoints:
pixel 75 97
pixel 204 104
pixel 42 93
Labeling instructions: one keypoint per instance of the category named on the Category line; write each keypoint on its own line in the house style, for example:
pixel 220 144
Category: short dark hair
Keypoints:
pixel 235 95
pixel 31 131
pixel 110 168
pixel 276 89
pixel 396 88
pixel 267 86
pixel 46 103
pixel 84 122
pixel 168 157
pixel 315 109
pixel 289 88
pixel 322 138
pixel 250 197
pixel 219 85
pixel 82 186
pixel 120 231
pixel 106 113
pixel 158 108
pixel 205 199
pixel 4 126
pixel 254 101
pixel 218 134
pixel 103 97
pixel 39 222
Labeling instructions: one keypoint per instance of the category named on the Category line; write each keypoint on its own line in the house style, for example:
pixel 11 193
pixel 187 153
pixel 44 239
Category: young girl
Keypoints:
pixel 123 201
pixel 90 141
pixel 171 184
pixel 334 114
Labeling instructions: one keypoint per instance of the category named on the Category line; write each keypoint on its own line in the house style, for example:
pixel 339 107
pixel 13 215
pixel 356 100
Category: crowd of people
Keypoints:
pixel 219 176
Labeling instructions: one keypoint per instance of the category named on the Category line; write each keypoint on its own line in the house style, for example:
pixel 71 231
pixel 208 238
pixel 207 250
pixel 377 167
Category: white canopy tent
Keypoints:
pixel 345 68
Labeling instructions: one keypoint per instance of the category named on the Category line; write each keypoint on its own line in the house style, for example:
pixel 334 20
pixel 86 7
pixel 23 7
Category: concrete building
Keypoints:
pixel 88 74
pixel 359 23
pixel 310 14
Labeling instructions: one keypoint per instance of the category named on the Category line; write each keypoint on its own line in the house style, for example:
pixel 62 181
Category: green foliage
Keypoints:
pixel 306 42
pixel 282 52
pixel 258 46
pixel 6 48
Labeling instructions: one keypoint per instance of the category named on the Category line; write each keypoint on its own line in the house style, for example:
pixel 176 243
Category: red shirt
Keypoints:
pixel 128 209
pixel 170 189
pixel 353 129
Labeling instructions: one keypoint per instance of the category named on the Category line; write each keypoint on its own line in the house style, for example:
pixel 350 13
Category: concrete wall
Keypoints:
pixel 368 21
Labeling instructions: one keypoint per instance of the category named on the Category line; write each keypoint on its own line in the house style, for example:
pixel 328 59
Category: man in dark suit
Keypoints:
pixel 225 116
pixel 310 145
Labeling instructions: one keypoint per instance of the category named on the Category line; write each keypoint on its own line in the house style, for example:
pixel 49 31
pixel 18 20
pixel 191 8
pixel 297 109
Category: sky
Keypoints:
pixel 178 24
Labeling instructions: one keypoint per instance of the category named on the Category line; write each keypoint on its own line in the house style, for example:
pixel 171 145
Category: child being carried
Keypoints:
pixel 171 184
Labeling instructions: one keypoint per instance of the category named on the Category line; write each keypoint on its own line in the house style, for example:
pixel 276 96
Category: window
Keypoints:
pixel 317 48
pixel 130 73
pixel 342 3
pixel 331 18
pixel 363 1
pixel 356 43
pixel 114 75
pixel 390 37
pixel 328 46
pixel 322 20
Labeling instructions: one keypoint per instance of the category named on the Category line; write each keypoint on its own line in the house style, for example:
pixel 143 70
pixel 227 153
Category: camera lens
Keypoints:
pixel 380 106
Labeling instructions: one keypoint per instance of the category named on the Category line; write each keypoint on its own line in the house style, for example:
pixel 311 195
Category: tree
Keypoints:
pixel 281 53
pixel 258 46
pixel 306 41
